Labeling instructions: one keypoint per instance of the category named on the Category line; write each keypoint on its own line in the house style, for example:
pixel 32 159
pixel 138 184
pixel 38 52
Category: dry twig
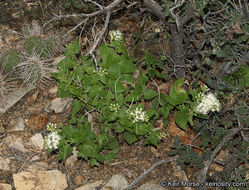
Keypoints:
pixel 203 173
pixel 149 170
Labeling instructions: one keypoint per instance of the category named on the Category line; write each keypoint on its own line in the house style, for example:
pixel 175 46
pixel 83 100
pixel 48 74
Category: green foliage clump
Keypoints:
pixel 9 60
pixel 113 92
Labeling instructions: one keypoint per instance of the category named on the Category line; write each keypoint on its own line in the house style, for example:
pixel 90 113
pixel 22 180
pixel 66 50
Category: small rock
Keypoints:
pixel 37 140
pixel 78 179
pixel 14 97
pixel 16 143
pixel 216 167
pixel 151 185
pixel 90 186
pixel 71 159
pixel 39 180
pixel 37 122
pixel 155 152
pixel 53 90
pixel 32 99
pixel 5 164
pixel 117 182
pixel 59 105
pixel 4 186
pixel 18 125
pixel 38 166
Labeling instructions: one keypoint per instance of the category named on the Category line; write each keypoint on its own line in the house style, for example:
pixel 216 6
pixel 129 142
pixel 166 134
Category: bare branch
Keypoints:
pixel 149 170
pixel 74 28
pixel 202 176
pixel 108 14
pixel 176 16
pixel 105 9
pixel 155 8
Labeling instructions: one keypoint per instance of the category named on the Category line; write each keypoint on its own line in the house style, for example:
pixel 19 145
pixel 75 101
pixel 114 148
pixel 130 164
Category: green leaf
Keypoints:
pixel 190 118
pixel 141 129
pixel 150 113
pixel 66 63
pixel 77 104
pixel 128 78
pixel 154 103
pixel 246 76
pixel 129 138
pixel 93 162
pixel 62 91
pixel 153 138
pixel 247 121
pixel 162 99
pixel 135 95
pixel 181 117
pixel 73 48
pixel 149 60
pixel 112 144
pixel 64 151
pixel 119 129
pixel 176 142
pixel 219 53
pixel 177 95
pixel 165 112
pixel 149 94
pixel 120 99
pixel 67 132
pixel 110 60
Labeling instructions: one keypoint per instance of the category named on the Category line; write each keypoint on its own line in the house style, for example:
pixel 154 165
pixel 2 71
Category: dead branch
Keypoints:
pixel 178 53
pixel 155 9
pixel 203 173
pixel 104 9
pixel 108 15
pixel 149 170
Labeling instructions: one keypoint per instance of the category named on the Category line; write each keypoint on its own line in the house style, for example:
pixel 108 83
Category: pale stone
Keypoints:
pixel 40 180
pixel 4 186
pixel 37 140
pixel 90 186
pixel 53 90
pixel 72 159
pixel 5 164
pixel 18 125
pixel 38 166
pixel 14 97
pixel 58 105
pixel 18 145
pixel 117 182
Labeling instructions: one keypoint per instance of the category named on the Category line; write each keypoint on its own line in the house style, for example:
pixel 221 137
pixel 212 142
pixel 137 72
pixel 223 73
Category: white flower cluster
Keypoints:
pixel 101 71
pixel 116 35
pixel 207 103
pixel 52 140
pixel 114 107
pixel 162 135
pixel 51 126
pixel 138 115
